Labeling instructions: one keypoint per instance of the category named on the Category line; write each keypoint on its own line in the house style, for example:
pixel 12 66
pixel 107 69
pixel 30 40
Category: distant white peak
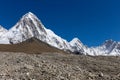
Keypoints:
pixel 31 20
pixel 29 14
pixel 110 41
pixel 75 41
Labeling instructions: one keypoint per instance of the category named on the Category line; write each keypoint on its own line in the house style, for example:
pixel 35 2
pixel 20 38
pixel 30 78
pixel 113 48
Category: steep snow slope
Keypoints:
pixel 3 31
pixel 30 26
pixel 109 47
pixel 78 46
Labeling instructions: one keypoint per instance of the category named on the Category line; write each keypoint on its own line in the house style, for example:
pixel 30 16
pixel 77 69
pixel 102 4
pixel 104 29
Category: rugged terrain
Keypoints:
pixel 29 51
pixel 31 45
pixel 30 26
pixel 36 60
pixel 57 66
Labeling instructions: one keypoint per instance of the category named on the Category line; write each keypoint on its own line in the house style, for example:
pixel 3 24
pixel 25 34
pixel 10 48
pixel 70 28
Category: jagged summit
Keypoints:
pixel 29 15
pixel 75 41
pixel 30 26
pixel 109 42
pixel 31 20
pixel 78 46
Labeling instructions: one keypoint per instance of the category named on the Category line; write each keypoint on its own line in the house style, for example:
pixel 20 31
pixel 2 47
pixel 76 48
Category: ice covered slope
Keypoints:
pixel 30 26
pixel 78 46
pixel 109 47
pixel 3 39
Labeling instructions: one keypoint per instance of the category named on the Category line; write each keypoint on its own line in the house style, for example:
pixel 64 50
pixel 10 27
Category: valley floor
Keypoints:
pixel 56 66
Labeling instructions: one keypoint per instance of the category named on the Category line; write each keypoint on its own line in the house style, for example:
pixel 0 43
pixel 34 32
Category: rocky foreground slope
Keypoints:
pixel 56 66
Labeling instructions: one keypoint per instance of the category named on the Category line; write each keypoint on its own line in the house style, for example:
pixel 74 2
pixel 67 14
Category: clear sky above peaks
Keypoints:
pixel 92 21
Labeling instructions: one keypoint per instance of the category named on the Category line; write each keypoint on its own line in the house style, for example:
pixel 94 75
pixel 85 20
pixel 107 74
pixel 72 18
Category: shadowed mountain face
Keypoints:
pixel 31 45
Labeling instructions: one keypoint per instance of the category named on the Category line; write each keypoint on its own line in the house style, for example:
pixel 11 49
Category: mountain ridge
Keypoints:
pixel 30 26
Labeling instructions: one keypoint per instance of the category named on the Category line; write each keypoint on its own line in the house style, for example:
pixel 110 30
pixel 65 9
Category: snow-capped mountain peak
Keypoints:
pixel 109 47
pixel 30 26
pixel 32 20
pixel 76 41
pixel 78 46
pixel 29 14
pixel 108 42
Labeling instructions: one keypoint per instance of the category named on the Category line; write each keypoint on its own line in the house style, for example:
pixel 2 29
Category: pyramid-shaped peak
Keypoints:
pixel 110 41
pixel 29 15
pixel 29 22
pixel 74 40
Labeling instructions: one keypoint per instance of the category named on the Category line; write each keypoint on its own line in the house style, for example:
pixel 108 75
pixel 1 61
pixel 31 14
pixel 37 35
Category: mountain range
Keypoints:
pixel 29 26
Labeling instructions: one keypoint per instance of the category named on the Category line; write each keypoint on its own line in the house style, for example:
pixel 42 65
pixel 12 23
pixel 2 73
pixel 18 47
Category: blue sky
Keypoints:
pixel 92 21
